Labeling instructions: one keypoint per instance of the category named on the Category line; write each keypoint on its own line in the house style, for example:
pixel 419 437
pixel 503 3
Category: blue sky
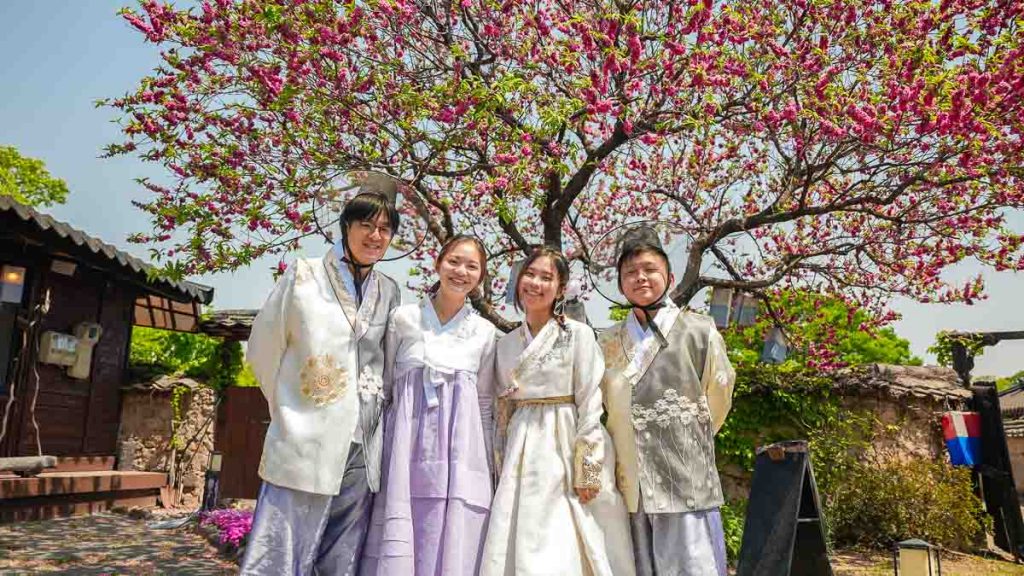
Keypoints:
pixel 60 56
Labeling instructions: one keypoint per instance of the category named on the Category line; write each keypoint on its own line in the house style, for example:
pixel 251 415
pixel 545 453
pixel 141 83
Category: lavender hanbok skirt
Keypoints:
pixel 431 514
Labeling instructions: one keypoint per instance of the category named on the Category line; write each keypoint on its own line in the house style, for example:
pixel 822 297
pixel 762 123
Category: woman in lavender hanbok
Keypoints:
pixel 431 514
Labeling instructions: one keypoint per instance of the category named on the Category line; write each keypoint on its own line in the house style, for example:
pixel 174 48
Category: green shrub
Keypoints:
pixel 246 377
pixel 837 447
pixel 878 504
pixel 218 363
pixel 773 403
pixel 734 514
pixel 875 504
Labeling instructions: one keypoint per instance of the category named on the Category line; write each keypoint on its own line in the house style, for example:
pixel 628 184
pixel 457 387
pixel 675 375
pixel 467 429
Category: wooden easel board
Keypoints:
pixel 784 533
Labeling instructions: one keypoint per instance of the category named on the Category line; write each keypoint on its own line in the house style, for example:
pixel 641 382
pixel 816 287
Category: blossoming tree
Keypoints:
pixel 852 147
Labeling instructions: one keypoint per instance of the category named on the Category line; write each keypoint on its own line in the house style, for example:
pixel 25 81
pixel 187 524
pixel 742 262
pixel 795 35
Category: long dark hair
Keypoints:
pixel 561 267
pixel 481 251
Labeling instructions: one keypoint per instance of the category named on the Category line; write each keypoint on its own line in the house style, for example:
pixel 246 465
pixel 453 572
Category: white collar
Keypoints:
pixel 348 278
pixel 528 336
pixel 665 317
pixel 434 322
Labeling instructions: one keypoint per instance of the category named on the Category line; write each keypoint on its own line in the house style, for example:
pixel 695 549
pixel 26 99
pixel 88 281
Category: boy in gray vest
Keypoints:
pixel 667 390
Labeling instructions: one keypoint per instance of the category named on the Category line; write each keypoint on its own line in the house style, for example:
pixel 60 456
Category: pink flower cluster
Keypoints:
pixel 232 525
pixel 849 148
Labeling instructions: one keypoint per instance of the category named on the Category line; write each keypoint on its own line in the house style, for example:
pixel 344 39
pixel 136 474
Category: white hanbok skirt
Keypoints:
pixel 538 525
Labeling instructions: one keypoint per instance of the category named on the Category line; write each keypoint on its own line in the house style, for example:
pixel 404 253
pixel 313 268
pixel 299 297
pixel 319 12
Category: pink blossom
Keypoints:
pixel 232 525
pixel 473 110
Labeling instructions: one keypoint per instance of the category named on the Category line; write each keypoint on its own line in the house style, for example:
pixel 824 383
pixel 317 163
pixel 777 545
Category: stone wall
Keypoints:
pixel 907 401
pixel 908 428
pixel 145 438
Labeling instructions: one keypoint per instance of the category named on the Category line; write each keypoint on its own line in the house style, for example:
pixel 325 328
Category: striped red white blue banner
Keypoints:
pixel 962 432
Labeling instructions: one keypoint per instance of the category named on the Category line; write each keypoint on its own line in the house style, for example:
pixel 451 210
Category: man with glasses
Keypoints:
pixel 316 348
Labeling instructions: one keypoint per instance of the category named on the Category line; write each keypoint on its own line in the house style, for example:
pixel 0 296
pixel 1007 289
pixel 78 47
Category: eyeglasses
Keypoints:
pixel 369 227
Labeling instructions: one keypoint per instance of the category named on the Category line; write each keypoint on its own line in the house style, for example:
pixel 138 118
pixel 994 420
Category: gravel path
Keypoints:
pixel 106 544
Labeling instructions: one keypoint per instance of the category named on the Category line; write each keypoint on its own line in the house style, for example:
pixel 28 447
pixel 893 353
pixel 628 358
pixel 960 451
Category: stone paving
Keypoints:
pixel 107 544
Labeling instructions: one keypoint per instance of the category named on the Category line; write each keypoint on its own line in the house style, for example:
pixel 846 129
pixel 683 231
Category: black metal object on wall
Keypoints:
pixel 994 476
pixel 996 473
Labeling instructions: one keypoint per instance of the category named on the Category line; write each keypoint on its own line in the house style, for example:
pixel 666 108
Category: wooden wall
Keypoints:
pixel 75 417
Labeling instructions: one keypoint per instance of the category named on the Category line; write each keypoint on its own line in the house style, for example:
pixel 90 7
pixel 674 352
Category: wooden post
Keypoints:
pixel 963 362
pixel 998 488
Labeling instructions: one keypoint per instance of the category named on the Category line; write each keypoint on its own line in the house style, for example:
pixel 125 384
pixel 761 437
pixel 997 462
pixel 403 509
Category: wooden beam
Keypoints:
pixel 54 483
pixel 992 338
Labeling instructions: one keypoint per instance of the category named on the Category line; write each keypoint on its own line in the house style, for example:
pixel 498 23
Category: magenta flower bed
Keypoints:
pixel 232 525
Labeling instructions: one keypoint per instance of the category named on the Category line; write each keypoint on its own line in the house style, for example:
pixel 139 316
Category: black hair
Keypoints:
pixel 637 242
pixel 561 267
pixel 367 206
pixel 481 250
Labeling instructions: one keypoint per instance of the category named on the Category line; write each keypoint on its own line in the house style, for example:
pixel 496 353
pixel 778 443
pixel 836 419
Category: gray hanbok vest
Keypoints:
pixel 370 356
pixel 674 434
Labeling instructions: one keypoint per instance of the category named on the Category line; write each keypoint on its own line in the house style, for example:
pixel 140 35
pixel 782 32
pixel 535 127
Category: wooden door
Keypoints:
pixel 242 422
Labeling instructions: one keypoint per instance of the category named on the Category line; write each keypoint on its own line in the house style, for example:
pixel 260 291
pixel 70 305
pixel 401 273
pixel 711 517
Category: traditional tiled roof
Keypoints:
pixel 1011 402
pixel 230 324
pixel 1014 427
pixel 934 382
pixel 79 245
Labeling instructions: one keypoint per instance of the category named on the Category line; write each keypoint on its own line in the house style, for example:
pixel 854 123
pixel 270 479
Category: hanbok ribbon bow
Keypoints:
pixel 433 377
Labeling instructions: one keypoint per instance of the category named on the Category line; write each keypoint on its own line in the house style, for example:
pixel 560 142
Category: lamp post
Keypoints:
pixel 211 488
pixel 916 557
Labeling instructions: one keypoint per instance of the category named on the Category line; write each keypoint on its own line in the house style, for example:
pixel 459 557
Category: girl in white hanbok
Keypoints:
pixel 431 514
pixel 556 509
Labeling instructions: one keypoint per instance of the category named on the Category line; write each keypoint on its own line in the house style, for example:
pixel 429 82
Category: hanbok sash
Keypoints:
pixel 440 360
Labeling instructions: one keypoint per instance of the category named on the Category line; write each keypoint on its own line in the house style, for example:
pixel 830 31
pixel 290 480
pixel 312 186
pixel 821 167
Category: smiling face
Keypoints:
pixel 460 269
pixel 539 285
pixel 644 277
pixel 369 239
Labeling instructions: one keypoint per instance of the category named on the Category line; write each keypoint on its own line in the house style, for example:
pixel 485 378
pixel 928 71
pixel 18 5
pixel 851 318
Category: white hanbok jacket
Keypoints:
pixel 319 360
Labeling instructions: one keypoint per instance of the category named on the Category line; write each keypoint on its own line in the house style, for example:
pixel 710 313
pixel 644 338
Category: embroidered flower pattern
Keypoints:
pixel 671 407
pixel 512 388
pixel 536 362
pixel 557 350
pixel 588 469
pixel 466 329
pixel 370 383
pixel 323 381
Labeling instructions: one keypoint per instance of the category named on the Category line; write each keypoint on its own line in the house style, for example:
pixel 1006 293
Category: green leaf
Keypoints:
pixel 27 180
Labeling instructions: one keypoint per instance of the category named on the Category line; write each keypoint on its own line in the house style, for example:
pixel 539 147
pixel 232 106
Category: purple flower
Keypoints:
pixel 232 525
